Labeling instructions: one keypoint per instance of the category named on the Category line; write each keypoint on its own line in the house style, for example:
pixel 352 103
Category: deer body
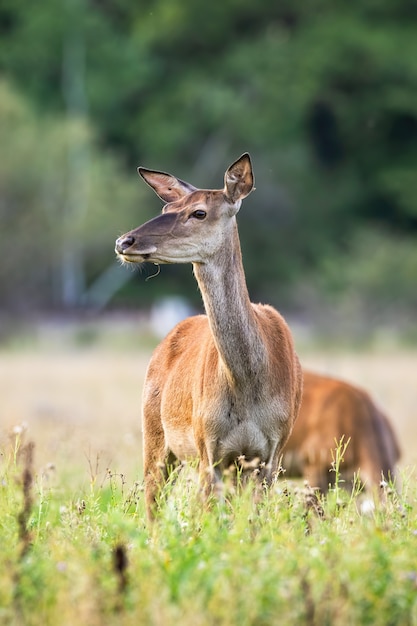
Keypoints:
pixel 222 385
pixel 330 409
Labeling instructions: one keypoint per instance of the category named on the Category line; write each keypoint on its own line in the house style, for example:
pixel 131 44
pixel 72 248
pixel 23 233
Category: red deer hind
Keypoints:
pixel 330 409
pixel 227 384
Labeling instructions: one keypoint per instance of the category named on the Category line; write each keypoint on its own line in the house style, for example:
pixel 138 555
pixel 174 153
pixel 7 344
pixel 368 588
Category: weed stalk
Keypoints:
pixel 337 460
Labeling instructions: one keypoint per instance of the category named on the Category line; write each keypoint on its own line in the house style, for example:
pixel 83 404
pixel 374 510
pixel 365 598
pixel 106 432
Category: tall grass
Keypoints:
pixel 75 547
pixel 286 557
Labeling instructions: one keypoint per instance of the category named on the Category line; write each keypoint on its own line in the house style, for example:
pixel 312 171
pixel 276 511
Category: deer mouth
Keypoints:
pixel 134 257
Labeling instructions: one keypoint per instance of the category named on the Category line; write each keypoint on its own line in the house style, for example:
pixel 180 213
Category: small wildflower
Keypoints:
pixel 367 507
pixel 19 429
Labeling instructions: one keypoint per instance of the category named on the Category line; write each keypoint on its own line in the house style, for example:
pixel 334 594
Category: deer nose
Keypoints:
pixel 123 243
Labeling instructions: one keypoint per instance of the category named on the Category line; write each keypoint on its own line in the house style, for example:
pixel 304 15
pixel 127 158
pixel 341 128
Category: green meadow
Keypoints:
pixel 75 547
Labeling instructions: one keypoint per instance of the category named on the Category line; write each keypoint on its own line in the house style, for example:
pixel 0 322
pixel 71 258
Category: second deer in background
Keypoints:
pixel 332 409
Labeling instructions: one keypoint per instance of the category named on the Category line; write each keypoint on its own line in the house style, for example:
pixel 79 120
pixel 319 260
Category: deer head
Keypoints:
pixel 194 224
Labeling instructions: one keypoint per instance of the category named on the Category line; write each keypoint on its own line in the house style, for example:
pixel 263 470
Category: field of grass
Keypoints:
pixel 75 547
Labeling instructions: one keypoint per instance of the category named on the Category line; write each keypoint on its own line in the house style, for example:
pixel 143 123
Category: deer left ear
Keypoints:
pixel 239 179
pixel 167 187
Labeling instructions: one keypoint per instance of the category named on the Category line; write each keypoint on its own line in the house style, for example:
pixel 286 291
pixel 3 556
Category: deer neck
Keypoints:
pixel 231 316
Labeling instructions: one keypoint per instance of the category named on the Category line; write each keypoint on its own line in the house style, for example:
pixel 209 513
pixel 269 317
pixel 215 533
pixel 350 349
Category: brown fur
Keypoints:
pixel 223 385
pixel 331 409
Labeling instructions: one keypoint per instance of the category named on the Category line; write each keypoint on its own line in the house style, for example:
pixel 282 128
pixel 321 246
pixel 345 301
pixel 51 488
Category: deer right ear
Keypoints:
pixel 238 179
pixel 167 187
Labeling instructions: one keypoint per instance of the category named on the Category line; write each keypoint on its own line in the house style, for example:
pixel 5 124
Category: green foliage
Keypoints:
pixel 60 195
pixel 92 558
pixel 367 287
pixel 318 92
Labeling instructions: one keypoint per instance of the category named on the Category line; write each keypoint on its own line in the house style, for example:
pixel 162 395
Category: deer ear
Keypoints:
pixel 239 179
pixel 167 187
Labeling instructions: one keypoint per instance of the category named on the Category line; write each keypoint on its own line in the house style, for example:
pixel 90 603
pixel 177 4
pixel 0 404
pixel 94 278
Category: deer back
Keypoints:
pixel 332 409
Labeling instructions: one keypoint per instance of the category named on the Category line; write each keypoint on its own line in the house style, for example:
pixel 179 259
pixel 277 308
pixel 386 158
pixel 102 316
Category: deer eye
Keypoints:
pixel 199 214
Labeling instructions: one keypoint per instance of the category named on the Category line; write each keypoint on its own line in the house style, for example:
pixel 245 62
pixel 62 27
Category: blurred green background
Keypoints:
pixel 323 94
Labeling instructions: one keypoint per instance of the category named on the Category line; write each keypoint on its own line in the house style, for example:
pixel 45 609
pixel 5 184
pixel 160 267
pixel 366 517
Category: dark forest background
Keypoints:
pixel 323 94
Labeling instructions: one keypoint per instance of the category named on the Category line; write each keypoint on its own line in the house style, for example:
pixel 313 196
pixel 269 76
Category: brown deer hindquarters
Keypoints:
pixel 227 384
pixel 332 409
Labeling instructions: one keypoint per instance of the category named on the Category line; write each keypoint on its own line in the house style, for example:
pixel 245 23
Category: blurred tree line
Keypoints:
pixel 322 94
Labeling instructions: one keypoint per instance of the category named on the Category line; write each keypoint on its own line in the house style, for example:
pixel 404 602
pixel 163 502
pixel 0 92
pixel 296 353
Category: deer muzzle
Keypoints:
pixel 130 250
